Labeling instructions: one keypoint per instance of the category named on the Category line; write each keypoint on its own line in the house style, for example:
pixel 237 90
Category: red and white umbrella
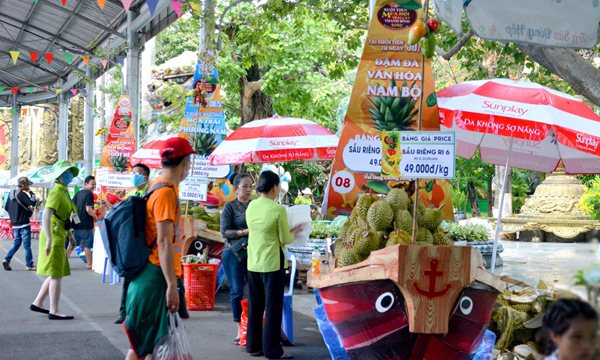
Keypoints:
pixel 149 153
pixel 520 124
pixel 537 125
pixel 276 139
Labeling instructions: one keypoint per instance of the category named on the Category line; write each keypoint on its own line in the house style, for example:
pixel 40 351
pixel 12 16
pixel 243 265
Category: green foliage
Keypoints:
pixel 177 96
pixel 181 36
pixel 468 232
pixel 114 88
pixel 520 188
pixel 459 199
pixel 322 230
pixel 580 278
pixel 590 201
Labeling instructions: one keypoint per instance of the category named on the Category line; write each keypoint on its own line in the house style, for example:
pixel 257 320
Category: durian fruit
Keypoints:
pixel 440 238
pixel 404 220
pixel 380 216
pixel 432 219
pixel 365 242
pixel 420 209
pixel 398 199
pixel 424 236
pixel 346 258
pixel 398 237
pixel 363 204
pixel 383 238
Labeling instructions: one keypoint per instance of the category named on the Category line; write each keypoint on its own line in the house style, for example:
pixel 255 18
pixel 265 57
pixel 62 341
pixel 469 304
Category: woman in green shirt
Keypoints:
pixel 268 234
pixel 52 255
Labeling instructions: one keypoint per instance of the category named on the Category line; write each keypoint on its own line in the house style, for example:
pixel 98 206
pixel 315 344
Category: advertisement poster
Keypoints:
pixel 392 81
pixel 2 144
pixel 120 143
pixel 203 122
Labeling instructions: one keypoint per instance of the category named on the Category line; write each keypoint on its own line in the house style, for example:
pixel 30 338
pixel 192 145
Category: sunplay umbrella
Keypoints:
pixel 521 124
pixel 149 153
pixel 276 139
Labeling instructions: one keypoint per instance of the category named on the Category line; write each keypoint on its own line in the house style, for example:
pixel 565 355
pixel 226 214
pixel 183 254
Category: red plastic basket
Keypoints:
pixel 199 281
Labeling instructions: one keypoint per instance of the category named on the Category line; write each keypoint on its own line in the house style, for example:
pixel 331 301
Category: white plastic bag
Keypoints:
pixel 300 215
pixel 175 345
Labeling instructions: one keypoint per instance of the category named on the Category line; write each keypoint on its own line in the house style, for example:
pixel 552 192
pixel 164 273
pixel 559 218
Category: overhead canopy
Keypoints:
pixel 70 32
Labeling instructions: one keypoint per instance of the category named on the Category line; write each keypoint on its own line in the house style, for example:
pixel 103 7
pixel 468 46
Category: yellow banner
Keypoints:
pixel 393 83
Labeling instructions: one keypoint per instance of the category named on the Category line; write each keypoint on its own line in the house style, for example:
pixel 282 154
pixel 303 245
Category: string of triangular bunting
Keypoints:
pixel 176 5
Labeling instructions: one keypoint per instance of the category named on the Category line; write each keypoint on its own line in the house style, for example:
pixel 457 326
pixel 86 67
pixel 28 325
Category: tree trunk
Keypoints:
pixel 580 73
pixel 255 104
pixel 472 195
pixel 490 196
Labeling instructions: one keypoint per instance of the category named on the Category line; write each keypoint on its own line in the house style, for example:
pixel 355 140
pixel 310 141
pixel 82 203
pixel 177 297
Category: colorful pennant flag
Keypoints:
pixel 64 2
pixel 34 56
pixel 74 91
pixel 15 90
pixel 177 5
pixel 104 62
pixel 126 4
pixel 68 57
pixel 35 111
pixel 121 60
pixel 86 59
pixel 44 89
pixel 30 90
pixel 57 91
pixel 1 111
pixel 14 54
pixel 13 112
pixel 24 112
pixel 152 6
pixel 49 57
pixel 2 89
pixel 83 92
pixel 101 3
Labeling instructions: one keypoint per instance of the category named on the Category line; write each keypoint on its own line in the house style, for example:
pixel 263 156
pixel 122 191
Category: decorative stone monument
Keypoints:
pixel 552 213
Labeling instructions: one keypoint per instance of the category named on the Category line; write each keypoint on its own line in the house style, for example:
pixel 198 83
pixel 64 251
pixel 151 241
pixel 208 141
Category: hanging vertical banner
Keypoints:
pixel 2 144
pixel 120 143
pixel 392 78
pixel 203 122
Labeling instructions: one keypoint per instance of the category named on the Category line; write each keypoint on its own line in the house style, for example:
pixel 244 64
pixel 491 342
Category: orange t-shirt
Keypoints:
pixel 163 205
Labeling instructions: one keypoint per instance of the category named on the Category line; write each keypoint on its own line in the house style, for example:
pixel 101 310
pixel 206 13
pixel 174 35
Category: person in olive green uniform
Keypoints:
pixel 268 235
pixel 52 254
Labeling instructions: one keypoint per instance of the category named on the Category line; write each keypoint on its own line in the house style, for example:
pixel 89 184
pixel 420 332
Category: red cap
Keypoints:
pixel 175 147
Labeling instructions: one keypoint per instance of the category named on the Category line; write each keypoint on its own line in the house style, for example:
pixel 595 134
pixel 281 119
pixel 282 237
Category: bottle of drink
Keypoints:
pixel 316 261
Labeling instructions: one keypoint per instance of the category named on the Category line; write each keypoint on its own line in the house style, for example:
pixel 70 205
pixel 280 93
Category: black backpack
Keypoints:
pixel 123 233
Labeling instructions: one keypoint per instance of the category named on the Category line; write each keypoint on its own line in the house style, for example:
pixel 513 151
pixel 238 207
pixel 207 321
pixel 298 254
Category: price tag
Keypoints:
pixel 342 182
pixel 194 189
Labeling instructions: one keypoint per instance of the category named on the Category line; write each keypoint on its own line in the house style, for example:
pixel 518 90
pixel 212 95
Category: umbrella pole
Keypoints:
pixel 500 210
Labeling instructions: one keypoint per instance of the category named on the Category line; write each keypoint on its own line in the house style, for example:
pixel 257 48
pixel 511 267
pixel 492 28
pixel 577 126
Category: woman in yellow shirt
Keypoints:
pixel 268 235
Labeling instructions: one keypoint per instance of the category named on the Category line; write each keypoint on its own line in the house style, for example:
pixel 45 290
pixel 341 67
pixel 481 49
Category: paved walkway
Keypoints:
pixel 92 335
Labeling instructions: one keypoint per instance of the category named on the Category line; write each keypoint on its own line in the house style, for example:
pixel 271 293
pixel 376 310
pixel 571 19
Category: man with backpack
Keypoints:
pixel 20 208
pixel 153 292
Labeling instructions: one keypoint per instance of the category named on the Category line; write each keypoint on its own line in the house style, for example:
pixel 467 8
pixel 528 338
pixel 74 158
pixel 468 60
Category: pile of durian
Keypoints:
pixel 379 222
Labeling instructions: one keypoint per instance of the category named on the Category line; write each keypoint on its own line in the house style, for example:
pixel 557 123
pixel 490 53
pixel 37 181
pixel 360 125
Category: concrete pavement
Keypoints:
pixel 93 335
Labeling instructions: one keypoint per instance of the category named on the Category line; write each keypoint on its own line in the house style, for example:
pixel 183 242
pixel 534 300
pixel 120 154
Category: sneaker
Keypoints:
pixel 120 320
pixel 6 265
pixel 31 268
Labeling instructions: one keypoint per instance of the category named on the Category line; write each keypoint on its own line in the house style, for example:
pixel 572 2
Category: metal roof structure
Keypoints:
pixel 76 29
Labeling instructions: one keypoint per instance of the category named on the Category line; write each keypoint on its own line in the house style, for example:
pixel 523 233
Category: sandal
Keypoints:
pixel 258 353
pixel 236 341
pixel 286 355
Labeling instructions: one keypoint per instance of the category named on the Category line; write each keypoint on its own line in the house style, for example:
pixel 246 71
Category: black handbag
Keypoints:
pixel 239 249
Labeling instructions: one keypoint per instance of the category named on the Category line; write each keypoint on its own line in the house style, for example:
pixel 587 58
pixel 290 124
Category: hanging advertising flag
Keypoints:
pixel 2 144
pixel 120 143
pixel 393 83
pixel 203 122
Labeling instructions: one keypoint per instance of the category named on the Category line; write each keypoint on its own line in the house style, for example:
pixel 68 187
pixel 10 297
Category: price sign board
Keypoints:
pixel 194 189
pixel 422 154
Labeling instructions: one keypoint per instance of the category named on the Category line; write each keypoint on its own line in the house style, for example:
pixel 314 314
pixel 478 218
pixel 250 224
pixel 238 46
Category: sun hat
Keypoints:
pixel 60 167
pixel 175 147
pixel 24 181
pixel 307 191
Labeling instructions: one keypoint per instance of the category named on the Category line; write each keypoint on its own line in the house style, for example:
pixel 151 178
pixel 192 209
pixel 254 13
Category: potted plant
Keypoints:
pixel 476 235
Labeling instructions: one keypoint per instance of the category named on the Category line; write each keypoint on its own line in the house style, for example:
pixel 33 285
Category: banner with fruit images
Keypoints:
pixel 393 82
pixel 203 122
pixel 120 143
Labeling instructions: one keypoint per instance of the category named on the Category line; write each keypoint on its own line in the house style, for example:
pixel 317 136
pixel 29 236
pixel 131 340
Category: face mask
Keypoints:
pixel 138 180
pixel 67 177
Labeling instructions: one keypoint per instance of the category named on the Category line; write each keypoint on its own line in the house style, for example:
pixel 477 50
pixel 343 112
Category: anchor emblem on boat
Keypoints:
pixel 432 274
